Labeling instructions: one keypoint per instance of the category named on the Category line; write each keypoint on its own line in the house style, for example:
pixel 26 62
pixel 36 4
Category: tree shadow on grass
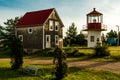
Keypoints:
pixel 99 72
pixel 94 58
pixel 83 58
pixel 7 73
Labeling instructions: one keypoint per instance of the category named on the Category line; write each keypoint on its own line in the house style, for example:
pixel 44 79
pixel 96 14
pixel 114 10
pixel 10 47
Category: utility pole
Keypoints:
pixel 118 35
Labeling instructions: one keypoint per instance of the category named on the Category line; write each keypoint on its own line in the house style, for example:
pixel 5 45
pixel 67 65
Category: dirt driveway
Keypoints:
pixel 114 66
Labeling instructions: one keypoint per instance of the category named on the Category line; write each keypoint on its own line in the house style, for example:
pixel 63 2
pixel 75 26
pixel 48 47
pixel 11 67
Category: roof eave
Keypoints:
pixel 21 26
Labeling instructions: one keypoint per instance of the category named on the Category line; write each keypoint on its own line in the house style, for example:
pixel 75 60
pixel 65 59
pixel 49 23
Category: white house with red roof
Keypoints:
pixel 40 30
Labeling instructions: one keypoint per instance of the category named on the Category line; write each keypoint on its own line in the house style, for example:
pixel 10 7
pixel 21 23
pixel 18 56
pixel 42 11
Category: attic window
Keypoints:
pixel 51 25
pixel 30 30
pixel 56 25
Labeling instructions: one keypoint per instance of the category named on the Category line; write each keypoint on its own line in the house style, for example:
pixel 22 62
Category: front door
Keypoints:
pixel 48 41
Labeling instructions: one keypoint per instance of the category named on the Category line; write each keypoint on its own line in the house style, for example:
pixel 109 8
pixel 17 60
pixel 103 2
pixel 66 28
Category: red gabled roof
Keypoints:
pixel 35 18
pixel 94 12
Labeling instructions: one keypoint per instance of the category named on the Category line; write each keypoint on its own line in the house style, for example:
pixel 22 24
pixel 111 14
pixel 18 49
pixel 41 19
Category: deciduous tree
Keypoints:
pixel 112 34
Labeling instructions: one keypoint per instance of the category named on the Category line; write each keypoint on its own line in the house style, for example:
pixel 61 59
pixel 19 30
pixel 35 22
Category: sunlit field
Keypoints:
pixel 45 73
pixel 74 73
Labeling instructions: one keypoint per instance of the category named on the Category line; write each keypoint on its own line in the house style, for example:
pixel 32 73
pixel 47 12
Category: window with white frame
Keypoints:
pixel 56 39
pixel 91 38
pixel 30 30
pixel 20 37
pixel 56 25
pixel 51 26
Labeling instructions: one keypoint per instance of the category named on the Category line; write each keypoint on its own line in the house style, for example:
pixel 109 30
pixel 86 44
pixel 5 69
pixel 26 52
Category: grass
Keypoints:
pixel 91 74
pixel 45 71
pixel 74 73
pixel 4 53
pixel 114 50
pixel 7 74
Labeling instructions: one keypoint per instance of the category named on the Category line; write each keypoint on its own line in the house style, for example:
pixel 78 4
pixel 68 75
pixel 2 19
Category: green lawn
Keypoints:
pixel 44 73
pixel 74 73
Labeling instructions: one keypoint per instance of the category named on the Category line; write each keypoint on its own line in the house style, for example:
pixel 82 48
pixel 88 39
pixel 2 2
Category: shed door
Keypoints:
pixel 48 41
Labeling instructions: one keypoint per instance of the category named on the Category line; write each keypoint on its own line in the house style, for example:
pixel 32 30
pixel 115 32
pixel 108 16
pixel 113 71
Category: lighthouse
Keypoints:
pixel 94 28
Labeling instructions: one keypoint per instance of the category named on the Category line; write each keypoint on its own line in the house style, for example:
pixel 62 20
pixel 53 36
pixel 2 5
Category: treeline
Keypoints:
pixel 73 38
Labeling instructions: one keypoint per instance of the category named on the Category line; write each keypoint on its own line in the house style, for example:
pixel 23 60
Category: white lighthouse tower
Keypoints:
pixel 94 27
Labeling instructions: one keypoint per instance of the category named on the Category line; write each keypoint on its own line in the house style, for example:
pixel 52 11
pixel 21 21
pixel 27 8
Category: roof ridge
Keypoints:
pixel 41 10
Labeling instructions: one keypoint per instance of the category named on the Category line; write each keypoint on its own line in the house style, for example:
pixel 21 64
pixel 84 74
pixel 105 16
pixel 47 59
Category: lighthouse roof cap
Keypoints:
pixel 94 12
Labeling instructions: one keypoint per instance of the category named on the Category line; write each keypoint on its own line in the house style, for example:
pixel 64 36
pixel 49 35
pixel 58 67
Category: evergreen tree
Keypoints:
pixel 72 33
pixel 60 64
pixel 80 39
pixel 9 40
pixel 66 41
pixel 16 52
pixel 10 25
pixel 101 51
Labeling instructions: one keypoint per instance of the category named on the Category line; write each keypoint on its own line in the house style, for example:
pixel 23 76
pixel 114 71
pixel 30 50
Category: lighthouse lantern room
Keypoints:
pixel 94 27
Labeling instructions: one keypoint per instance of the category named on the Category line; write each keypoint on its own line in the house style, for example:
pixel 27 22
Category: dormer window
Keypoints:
pixel 30 30
pixel 51 27
pixel 56 25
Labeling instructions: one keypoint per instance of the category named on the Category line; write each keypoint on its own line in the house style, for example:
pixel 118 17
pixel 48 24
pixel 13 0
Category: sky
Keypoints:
pixel 69 10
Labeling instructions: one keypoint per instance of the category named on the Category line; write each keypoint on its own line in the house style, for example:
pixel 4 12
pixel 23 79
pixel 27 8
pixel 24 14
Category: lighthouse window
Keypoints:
pixel 92 38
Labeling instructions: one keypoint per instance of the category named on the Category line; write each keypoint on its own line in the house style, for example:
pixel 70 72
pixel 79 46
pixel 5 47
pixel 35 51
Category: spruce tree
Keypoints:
pixel 60 64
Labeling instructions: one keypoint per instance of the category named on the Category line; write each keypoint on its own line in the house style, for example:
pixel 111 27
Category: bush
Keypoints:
pixel 60 64
pixel 101 50
pixel 76 53
pixel 16 53
pixel 73 53
pixel 43 53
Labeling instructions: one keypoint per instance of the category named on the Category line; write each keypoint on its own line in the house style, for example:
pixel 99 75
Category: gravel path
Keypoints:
pixel 114 66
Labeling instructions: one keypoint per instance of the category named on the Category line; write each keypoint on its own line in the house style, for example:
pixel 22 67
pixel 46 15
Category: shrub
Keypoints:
pixel 60 64
pixel 16 53
pixel 101 50
pixel 73 53
pixel 43 53
pixel 76 53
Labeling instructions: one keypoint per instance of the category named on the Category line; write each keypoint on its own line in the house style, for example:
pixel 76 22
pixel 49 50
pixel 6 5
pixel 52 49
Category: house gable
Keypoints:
pixel 53 20
pixel 54 17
